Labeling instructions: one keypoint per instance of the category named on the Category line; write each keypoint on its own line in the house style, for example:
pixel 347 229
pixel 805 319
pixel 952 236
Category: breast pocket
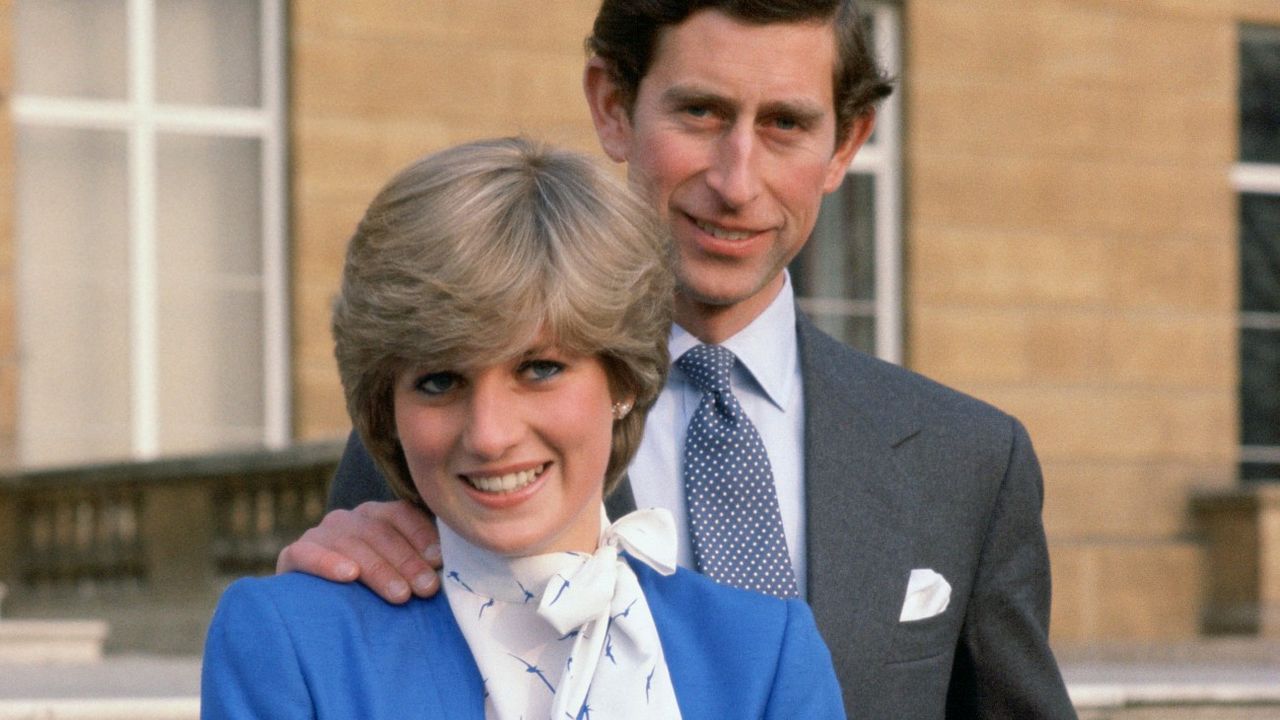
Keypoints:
pixel 924 639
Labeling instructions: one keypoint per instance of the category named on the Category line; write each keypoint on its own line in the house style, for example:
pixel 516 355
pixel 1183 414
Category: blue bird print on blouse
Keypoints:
pixel 527 595
pixel 624 613
pixel 454 576
pixel 535 670
pixel 483 607
pixel 608 648
pixel 648 683
pixel 560 592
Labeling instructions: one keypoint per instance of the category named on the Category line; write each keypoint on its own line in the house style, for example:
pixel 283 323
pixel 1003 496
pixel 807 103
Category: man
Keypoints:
pixel 911 513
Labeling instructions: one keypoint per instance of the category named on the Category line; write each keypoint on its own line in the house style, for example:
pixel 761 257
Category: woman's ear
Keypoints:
pixel 622 408
pixel 609 111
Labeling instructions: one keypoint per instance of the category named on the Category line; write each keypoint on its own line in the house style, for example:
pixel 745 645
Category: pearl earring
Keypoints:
pixel 620 410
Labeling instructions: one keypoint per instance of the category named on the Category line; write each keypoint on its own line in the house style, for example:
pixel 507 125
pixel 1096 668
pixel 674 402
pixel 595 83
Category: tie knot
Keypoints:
pixel 708 366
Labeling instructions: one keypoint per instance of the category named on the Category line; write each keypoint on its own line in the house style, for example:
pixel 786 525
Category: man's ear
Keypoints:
pixel 608 110
pixel 857 137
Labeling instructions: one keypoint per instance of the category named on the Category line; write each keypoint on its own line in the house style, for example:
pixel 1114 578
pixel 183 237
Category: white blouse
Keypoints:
pixel 567 634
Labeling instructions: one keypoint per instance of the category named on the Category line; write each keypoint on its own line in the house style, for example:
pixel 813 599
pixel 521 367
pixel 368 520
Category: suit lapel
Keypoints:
pixel 857 500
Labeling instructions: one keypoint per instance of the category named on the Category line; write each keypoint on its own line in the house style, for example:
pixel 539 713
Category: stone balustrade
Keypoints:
pixel 1240 527
pixel 148 547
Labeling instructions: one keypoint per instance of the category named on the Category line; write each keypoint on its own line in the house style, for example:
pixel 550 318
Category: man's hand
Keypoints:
pixel 391 547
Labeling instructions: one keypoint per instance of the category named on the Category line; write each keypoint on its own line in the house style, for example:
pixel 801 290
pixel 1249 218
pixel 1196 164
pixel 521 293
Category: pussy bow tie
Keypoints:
pixel 588 592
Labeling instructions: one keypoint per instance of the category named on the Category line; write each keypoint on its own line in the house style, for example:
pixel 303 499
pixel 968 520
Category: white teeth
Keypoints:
pixel 505 483
pixel 721 233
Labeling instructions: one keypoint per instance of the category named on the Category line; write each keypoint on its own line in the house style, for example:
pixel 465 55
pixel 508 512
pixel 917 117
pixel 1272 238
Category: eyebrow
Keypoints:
pixel 803 111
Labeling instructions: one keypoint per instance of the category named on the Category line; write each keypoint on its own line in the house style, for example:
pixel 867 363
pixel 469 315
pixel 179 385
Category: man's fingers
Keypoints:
pixel 381 544
pixel 400 535
pixel 407 520
pixel 308 557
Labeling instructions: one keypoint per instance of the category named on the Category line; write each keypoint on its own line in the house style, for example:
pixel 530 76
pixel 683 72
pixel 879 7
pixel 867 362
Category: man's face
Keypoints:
pixel 732 135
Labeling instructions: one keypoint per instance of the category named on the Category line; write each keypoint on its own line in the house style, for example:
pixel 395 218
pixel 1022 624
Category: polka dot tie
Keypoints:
pixel 733 506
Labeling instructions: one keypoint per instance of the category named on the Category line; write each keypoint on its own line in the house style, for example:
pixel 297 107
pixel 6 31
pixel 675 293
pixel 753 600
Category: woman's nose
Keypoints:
pixel 493 423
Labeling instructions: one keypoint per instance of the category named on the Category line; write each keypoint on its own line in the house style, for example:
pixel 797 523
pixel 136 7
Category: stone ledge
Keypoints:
pixel 1205 673
pixel 52 641
pixel 102 709
pixel 1121 695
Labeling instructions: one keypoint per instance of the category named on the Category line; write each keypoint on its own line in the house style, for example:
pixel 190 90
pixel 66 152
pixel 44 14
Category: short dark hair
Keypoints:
pixel 626 32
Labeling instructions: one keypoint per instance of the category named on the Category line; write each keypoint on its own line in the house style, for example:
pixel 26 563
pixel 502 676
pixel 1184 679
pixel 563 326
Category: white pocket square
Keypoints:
pixel 928 594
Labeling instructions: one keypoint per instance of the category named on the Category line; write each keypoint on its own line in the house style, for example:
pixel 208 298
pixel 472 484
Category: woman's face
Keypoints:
pixel 511 456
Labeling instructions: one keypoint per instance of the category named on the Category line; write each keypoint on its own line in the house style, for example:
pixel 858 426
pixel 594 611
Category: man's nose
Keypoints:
pixel 493 423
pixel 733 174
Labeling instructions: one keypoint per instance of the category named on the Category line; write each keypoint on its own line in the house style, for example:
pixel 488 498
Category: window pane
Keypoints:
pixel 1260 94
pixel 834 275
pixel 1260 333
pixel 72 230
pixel 207 52
pixel 1260 395
pixel 71 48
pixel 210 259
pixel 858 331
pixel 1260 386
pixel 1260 253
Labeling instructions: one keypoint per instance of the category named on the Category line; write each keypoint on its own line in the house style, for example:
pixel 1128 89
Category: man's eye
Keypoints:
pixel 699 111
pixel 542 369
pixel 436 383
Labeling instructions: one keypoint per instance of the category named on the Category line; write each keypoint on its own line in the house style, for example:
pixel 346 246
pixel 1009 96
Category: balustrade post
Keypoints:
pixel 9 535
pixel 177 533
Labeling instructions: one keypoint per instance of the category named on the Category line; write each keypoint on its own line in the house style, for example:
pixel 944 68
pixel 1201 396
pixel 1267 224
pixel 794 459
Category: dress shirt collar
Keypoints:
pixel 766 347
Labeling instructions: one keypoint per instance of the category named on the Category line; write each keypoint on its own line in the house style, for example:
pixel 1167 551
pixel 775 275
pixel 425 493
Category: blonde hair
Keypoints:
pixel 469 252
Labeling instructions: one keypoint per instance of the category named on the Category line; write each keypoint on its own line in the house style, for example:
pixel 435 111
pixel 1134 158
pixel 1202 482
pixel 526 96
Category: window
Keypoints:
pixel 848 277
pixel 1257 179
pixel 150 227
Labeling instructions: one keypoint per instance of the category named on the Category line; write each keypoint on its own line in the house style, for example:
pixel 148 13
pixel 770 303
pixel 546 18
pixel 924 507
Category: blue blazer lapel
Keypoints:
pixel 857 501
pixel 455 681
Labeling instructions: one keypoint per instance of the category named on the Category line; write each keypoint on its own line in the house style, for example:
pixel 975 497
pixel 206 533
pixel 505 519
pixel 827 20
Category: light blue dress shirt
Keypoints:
pixel 770 392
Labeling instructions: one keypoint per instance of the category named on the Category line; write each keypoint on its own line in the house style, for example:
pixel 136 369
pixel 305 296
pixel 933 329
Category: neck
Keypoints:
pixel 713 323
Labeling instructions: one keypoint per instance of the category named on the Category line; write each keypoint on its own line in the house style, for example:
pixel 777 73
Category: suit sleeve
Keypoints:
pixel 250 667
pixel 1003 664
pixel 357 478
pixel 805 684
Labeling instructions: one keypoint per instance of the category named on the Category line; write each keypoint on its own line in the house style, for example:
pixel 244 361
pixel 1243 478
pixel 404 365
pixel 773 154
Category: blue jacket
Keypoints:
pixel 295 646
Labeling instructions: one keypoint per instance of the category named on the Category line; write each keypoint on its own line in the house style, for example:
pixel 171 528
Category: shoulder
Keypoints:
pixel 690 599
pixel 305 606
pixel 768 648
pixel 295 592
pixel 838 375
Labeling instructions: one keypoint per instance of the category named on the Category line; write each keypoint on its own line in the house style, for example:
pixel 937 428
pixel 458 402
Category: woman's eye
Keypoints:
pixel 436 383
pixel 542 369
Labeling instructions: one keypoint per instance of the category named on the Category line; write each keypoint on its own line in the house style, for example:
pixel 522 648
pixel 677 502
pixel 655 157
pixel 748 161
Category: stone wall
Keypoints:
pixel 377 84
pixel 1071 257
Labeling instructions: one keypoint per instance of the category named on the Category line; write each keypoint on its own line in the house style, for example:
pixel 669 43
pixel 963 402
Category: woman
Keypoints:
pixel 500 334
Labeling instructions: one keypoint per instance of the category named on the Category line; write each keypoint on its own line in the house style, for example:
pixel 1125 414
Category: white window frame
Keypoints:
pixel 881 158
pixel 142 119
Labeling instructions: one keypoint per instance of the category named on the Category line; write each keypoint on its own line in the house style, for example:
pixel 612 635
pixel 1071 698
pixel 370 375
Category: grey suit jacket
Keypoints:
pixel 903 473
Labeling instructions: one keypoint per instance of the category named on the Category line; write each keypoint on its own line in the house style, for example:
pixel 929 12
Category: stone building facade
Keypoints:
pixel 1069 233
